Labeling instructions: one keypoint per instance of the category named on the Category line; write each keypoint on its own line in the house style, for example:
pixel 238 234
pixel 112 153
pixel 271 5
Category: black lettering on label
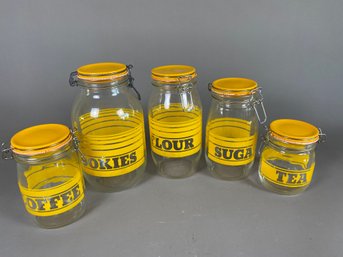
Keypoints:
pixel 31 203
pixel 124 160
pixel 238 155
pixel 167 145
pixel 76 192
pixel 67 197
pixel 233 154
pixel 292 178
pixel 189 143
pixel 303 178
pixel 217 152
pixel 41 204
pixel 104 164
pixel 115 163
pixel 53 202
pixel 280 176
pixel 133 157
pixel 174 144
pixel 93 163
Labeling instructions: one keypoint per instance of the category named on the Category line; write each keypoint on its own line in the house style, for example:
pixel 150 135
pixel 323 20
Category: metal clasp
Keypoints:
pixel 186 98
pixel 322 136
pixel 263 140
pixel 6 152
pixel 76 144
pixel 73 79
pixel 131 79
pixel 257 100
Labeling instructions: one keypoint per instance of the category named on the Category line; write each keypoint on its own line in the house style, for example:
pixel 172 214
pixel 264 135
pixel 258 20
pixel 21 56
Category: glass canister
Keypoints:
pixel 49 174
pixel 109 125
pixel 288 157
pixel 175 121
pixel 232 127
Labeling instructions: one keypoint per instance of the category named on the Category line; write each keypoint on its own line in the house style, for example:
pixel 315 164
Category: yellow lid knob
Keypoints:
pixel 294 131
pixel 40 139
pixel 233 86
pixel 173 73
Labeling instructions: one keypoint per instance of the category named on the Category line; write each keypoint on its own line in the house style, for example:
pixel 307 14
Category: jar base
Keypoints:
pixel 281 190
pixel 117 183
pixel 176 168
pixel 224 172
pixel 63 219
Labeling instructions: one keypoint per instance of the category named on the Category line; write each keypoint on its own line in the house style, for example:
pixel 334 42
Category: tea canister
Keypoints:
pixel 175 120
pixel 232 127
pixel 288 157
pixel 108 122
pixel 49 174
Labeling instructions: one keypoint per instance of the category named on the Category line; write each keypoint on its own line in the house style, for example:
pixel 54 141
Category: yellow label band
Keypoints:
pixel 175 133
pixel 53 200
pixel 287 178
pixel 229 141
pixel 112 142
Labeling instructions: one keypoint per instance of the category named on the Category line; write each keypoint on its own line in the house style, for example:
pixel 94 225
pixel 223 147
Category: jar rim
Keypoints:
pixel 233 87
pixel 40 139
pixel 174 73
pixel 102 72
pixel 294 131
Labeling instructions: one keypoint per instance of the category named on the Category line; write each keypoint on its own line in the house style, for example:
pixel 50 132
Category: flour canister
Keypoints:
pixel 108 122
pixel 175 120
pixel 49 174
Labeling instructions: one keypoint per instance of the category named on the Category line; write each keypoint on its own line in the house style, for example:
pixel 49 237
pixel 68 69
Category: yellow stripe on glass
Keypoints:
pixel 175 133
pixel 230 141
pixel 52 189
pixel 112 141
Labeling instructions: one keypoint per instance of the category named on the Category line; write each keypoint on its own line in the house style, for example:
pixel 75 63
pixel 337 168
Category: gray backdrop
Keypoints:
pixel 292 48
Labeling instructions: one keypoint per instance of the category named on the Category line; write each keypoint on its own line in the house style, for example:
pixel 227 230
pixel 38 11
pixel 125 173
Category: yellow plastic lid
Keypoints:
pixel 102 71
pixel 233 86
pixel 173 73
pixel 40 139
pixel 294 131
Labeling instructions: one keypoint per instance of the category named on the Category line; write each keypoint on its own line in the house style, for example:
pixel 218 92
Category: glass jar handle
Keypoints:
pixel 6 152
pixel 186 98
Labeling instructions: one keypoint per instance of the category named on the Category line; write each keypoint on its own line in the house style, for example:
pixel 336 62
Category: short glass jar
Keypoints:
pixel 108 122
pixel 232 127
pixel 175 121
pixel 288 157
pixel 49 174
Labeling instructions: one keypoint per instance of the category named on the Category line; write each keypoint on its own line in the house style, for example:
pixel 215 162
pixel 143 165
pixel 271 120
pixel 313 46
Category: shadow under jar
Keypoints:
pixel 175 121
pixel 108 122
pixel 49 175
pixel 232 127
pixel 288 157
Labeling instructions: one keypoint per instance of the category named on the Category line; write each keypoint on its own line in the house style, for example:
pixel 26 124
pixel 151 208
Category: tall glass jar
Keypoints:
pixel 232 127
pixel 288 158
pixel 175 121
pixel 49 174
pixel 109 124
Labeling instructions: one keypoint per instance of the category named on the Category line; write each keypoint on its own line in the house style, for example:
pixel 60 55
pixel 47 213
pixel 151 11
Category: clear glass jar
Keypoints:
pixel 232 127
pixel 109 124
pixel 175 121
pixel 288 157
pixel 49 174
